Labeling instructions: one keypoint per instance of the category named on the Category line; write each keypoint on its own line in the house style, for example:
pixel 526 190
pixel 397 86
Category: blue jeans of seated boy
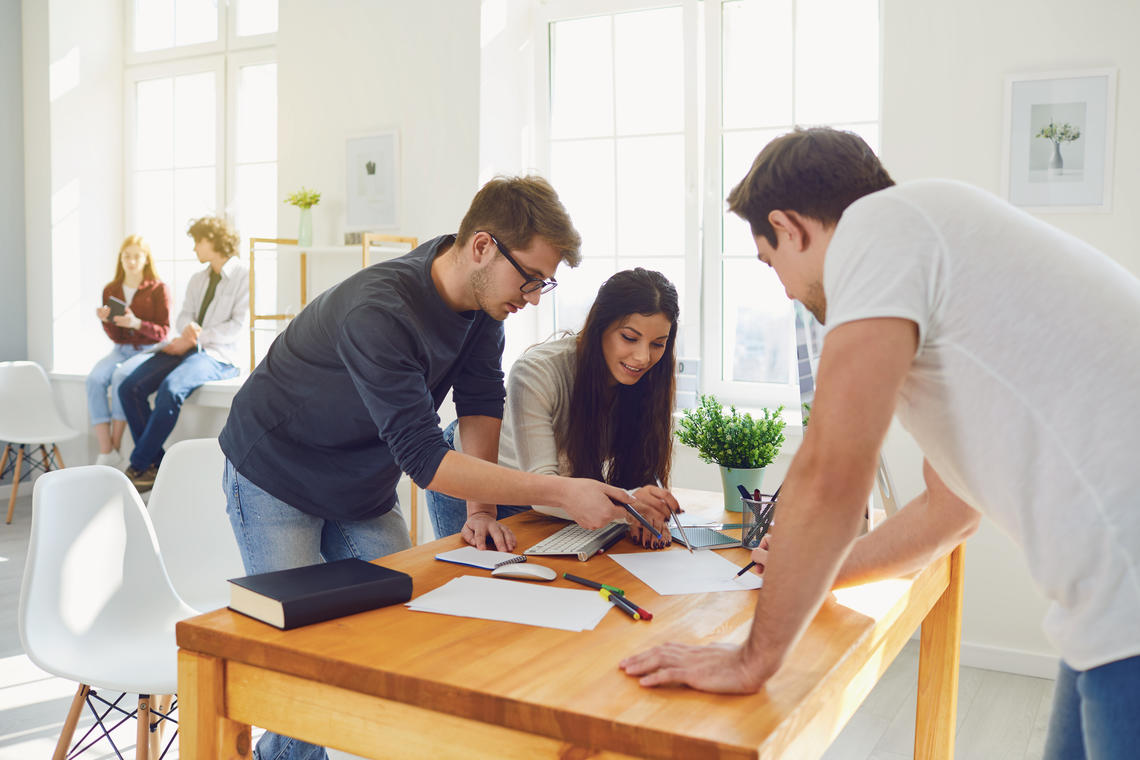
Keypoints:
pixel 171 379
pixel 1096 713
pixel 111 370
pixel 449 514
pixel 272 535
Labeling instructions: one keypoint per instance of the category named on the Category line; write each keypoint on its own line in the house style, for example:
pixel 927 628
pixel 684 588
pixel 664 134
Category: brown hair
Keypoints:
pixel 817 172
pixel 217 231
pixel 148 267
pixel 623 434
pixel 515 210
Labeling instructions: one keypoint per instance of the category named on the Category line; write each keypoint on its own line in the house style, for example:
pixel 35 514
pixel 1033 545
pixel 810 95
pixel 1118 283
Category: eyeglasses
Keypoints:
pixel 532 283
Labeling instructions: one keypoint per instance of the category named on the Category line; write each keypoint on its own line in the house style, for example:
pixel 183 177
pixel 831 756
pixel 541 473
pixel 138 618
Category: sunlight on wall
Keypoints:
pixel 63 75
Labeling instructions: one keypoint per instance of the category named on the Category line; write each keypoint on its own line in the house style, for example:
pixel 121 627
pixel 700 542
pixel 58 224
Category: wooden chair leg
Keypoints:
pixel 15 483
pixel 47 459
pixel 4 461
pixel 58 458
pixel 69 725
pixel 142 729
pixel 161 704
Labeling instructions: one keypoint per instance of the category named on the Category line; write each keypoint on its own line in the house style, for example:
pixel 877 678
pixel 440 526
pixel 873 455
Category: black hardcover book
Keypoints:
pixel 303 595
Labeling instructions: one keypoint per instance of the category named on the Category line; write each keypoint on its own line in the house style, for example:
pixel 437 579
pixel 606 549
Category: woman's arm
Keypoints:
pixel 155 315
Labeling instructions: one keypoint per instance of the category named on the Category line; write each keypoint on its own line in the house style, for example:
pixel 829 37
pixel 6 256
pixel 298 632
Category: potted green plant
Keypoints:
pixel 305 200
pixel 742 445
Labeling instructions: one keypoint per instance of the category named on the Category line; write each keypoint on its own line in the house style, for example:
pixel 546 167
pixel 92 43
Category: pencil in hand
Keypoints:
pixel 745 569
pixel 638 516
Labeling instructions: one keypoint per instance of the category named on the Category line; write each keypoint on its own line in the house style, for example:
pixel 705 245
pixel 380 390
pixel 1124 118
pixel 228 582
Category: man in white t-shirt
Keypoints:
pixel 1009 351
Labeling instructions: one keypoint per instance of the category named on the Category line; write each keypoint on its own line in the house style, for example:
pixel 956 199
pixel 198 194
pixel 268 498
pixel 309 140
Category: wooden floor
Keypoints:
pixel 1000 716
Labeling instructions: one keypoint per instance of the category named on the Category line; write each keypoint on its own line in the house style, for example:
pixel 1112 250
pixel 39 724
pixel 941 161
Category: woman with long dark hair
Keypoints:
pixel 598 404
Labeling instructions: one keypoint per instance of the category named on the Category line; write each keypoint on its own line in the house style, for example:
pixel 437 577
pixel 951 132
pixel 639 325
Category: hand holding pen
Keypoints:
pixel 759 558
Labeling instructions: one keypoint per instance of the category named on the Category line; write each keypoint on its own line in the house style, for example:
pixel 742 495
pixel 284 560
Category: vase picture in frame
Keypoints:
pixel 372 171
pixel 1058 140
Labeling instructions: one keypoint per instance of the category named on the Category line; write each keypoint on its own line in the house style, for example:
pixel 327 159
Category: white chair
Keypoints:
pixel 28 419
pixel 96 604
pixel 188 510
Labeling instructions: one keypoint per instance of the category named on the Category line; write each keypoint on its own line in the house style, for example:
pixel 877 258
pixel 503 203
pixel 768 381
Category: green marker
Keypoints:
pixel 593 584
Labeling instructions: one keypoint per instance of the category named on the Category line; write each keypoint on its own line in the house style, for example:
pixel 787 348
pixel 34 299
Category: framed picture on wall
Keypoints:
pixel 1058 140
pixel 372 173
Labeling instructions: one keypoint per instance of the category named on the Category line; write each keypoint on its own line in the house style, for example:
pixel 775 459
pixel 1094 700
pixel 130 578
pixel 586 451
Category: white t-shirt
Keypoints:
pixel 1024 390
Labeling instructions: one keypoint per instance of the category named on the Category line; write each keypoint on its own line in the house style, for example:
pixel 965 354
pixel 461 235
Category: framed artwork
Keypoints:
pixel 372 174
pixel 1058 140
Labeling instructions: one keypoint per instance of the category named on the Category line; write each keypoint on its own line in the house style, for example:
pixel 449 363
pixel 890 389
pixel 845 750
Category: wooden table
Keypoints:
pixel 392 683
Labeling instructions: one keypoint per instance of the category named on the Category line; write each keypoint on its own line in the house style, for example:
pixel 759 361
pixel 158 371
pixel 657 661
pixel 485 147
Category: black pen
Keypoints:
pixel 637 515
pixel 746 568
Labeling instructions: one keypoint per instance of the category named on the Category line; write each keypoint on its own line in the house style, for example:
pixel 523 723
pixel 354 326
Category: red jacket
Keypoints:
pixel 151 304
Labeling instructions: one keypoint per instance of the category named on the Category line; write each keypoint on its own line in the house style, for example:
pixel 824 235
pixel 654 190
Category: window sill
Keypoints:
pixel 216 393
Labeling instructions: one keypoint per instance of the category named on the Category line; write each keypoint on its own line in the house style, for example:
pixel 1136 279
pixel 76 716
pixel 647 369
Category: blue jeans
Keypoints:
pixel 272 535
pixel 448 514
pixel 1096 713
pixel 111 370
pixel 171 379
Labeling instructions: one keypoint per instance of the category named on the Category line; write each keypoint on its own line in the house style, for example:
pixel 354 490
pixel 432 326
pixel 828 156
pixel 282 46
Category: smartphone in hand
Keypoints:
pixel 117 306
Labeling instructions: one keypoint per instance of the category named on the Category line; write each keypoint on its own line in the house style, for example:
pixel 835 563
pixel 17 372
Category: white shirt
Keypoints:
pixel 1023 391
pixel 226 316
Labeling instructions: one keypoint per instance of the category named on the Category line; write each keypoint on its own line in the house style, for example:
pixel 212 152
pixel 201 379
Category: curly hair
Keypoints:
pixel 218 232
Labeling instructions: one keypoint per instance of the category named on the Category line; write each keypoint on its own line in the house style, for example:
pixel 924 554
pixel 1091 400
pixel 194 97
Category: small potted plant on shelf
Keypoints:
pixel 305 200
pixel 742 445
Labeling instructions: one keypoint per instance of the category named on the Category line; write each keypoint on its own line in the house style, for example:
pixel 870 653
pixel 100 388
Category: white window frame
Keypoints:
pixel 565 10
pixel 235 62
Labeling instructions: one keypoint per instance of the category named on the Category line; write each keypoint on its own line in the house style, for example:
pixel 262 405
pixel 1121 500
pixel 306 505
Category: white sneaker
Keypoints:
pixel 111 459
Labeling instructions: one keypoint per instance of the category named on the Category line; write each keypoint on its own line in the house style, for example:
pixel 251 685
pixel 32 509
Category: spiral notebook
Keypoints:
pixel 484 558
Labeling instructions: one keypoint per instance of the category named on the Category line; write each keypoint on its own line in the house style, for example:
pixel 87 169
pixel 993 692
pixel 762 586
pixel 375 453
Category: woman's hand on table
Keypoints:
pixel 483 531
pixel 653 502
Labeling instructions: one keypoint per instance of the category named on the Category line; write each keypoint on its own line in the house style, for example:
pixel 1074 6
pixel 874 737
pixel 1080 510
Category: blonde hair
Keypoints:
pixel 148 267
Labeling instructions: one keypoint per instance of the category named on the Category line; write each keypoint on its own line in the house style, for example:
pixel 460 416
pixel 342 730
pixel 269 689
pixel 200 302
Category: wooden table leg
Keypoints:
pixel 203 728
pixel 935 719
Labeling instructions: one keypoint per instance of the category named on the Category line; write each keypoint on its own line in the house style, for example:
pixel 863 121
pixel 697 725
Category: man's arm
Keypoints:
pixel 932 524
pixel 861 370
pixel 480 436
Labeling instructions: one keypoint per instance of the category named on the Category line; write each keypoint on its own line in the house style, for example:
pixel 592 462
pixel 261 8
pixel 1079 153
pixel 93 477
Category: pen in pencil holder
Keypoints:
pixel 757 516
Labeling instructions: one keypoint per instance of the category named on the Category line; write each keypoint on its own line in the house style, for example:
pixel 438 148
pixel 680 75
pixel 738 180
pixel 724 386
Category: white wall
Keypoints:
pixel 944 69
pixel 13 341
pixel 349 67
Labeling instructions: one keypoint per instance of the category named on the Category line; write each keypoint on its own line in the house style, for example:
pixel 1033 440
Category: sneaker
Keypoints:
pixel 111 459
pixel 143 480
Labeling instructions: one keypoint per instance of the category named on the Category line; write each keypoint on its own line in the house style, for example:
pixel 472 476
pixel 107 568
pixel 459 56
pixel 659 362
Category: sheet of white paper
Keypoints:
pixel 676 571
pixel 515 602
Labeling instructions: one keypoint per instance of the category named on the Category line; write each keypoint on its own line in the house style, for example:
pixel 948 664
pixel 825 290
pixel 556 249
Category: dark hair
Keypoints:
pixel 817 172
pixel 623 434
pixel 218 232
pixel 515 210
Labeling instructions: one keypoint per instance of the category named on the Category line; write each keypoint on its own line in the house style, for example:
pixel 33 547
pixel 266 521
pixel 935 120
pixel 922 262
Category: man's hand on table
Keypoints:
pixel 483 531
pixel 719 668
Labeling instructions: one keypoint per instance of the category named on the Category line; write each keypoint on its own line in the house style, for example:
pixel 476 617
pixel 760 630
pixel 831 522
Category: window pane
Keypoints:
pixel 255 202
pixel 577 289
pixel 758 328
pixel 649 71
pixel 651 195
pixel 195 125
pixel 757 67
pixel 257 114
pixel 869 132
pixel 195 21
pixel 583 174
pixel 195 195
pixel 154 24
pixel 256 17
pixel 154 128
pixel 740 150
pixel 153 208
pixel 837 61
pixel 581 84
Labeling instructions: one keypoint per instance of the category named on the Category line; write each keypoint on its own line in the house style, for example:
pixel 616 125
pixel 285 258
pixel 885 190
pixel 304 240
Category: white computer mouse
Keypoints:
pixel 525 571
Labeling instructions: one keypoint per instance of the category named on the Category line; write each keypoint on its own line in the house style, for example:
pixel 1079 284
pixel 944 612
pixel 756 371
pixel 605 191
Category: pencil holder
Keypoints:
pixel 756 517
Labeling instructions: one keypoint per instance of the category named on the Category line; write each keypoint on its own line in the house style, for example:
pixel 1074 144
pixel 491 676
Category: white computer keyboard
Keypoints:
pixel 576 540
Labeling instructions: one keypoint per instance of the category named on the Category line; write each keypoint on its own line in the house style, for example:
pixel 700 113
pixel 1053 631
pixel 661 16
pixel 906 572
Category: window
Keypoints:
pixel 651 109
pixel 201 124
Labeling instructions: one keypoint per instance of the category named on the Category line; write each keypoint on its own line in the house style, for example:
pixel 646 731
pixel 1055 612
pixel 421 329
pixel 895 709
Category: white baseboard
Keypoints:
pixel 1010 661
